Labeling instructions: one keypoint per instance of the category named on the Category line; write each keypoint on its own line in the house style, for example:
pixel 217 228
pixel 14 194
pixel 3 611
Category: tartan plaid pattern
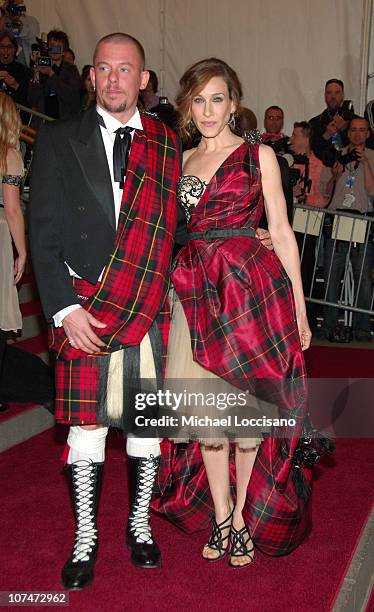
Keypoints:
pixel 277 519
pixel 239 306
pixel 235 293
pixel 135 281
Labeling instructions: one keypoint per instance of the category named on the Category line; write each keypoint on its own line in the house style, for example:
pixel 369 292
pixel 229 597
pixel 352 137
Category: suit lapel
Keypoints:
pixel 90 152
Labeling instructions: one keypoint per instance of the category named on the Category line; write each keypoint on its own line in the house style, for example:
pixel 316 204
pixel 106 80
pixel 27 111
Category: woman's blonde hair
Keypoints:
pixel 10 128
pixel 194 80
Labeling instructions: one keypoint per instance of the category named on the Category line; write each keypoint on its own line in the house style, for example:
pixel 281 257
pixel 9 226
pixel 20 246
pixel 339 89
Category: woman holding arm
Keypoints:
pixel 238 314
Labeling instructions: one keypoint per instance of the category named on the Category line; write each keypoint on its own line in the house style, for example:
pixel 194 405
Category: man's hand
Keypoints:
pixel 264 236
pixel 361 155
pixel 341 124
pixel 78 328
pixel 46 70
pixel 9 79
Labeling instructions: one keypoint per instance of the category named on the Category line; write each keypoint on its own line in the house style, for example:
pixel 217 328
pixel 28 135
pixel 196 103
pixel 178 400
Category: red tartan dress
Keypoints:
pixel 239 306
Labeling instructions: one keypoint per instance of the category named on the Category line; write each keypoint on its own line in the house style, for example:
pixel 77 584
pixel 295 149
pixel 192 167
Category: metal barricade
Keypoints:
pixel 336 251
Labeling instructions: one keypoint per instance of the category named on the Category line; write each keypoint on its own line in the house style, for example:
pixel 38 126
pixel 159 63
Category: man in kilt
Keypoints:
pixel 102 223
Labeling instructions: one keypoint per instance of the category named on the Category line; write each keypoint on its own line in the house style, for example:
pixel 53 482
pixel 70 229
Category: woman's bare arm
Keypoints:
pixel 282 236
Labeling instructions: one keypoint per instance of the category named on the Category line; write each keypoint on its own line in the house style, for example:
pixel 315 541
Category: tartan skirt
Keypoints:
pixel 102 388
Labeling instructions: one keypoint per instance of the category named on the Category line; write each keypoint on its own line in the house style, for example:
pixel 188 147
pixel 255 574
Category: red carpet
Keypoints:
pixel 336 362
pixel 37 540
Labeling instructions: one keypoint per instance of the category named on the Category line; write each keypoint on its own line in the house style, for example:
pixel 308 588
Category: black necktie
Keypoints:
pixel 121 150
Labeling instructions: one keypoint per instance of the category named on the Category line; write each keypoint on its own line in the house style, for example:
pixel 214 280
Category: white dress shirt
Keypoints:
pixel 108 135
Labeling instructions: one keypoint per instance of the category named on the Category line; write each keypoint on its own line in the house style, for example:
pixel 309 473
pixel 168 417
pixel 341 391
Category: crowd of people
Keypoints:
pixel 108 200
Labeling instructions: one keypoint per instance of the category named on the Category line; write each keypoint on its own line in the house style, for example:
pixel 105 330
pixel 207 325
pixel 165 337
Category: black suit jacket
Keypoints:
pixel 318 124
pixel 71 211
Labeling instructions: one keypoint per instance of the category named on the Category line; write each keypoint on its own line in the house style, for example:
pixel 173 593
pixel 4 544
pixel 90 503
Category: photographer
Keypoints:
pixel 14 76
pixel 331 126
pixel 24 28
pixel 273 124
pixel 56 85
pixel 349 184
pixel 306 190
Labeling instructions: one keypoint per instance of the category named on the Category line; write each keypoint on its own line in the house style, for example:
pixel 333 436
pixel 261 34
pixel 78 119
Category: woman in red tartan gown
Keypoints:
pixel 239 315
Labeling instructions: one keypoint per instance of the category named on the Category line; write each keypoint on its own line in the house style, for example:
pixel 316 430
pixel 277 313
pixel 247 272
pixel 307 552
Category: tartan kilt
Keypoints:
pixel 277 518
pixel 77 381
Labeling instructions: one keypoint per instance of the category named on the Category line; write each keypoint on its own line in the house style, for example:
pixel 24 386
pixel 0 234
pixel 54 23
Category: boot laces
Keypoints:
pixel 86 533
pixel 139 518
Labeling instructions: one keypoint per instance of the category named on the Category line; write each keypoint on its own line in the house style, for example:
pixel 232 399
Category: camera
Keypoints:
pixel 41 54
pixel 279 145
pixel 15 10
pixel 346 111
pixel 333 155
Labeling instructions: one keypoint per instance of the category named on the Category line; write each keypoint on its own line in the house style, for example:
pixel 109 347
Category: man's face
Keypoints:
pixel 7 51
pixel 273 121
pixel 118 75
pixel 334 96
pixel 358 132
pixel 55 50
pixel 299 142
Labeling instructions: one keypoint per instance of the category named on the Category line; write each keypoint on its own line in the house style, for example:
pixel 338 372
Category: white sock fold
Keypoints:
pixel 142 447
pixel 86 444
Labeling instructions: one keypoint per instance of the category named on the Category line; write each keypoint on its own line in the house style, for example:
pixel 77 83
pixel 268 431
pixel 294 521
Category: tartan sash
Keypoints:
pixel 135 281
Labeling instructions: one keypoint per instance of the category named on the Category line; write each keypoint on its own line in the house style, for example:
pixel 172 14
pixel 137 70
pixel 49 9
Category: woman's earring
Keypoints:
pixel 231 120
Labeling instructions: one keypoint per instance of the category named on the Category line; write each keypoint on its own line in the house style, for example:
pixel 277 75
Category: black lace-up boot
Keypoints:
pixel 86 478
pixel 142 475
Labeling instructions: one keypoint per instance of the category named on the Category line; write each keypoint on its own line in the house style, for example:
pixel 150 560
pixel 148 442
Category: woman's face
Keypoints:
pixel 211 108
pixel 88 84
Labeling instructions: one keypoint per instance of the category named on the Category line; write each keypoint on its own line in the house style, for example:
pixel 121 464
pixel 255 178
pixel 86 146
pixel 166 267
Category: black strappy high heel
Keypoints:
pixel 216 540
pixel 239 545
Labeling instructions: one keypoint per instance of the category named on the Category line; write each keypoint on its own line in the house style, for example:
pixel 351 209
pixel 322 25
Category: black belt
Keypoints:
pixel 215 234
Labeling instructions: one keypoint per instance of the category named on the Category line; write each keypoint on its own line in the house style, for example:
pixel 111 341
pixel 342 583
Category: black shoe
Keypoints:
pixel 217 540
pixel 4 407
pixel 240 539
pixel 86 478
pixel 142 473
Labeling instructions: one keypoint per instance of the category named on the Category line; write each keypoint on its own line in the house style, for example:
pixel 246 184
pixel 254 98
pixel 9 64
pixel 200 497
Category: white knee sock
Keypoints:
pixel 142 447
pixel 87 444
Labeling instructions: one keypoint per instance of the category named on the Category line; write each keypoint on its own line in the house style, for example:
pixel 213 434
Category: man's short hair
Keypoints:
pixel 337 81
pixel 274 108
pixel 118 37
pixel 360 119
pixel 60 37
pixel 305 127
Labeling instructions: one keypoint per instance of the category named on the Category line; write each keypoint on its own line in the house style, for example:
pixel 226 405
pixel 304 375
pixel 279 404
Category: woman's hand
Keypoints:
pixel 304 330
pixel 19 267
